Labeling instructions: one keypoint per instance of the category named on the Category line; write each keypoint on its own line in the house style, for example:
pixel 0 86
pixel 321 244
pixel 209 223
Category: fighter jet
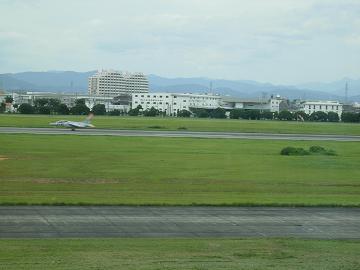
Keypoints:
pixel 73 125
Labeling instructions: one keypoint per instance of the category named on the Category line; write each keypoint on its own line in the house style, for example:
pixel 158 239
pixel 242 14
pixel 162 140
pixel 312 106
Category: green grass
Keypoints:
pixel 74 169
pixel 148 123
pixel 194 254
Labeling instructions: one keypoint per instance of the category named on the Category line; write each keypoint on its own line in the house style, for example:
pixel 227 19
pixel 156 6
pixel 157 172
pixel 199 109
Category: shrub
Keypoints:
pixel 321 150
pixel 293 151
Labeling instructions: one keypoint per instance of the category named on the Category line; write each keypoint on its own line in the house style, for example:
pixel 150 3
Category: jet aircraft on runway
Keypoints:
pixel 73 125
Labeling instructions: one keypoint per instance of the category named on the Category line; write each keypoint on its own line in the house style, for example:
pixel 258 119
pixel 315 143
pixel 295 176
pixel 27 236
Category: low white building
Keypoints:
pixel 273 104
pixel 323 106
pixel 121 102
pixel 172 103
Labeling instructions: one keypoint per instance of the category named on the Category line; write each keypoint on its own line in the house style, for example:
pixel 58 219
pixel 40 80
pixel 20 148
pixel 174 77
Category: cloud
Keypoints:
pixel 262 40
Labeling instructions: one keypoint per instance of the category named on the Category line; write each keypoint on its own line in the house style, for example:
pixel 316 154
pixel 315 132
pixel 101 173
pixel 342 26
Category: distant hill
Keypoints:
pixel 52 81
pixel 70 81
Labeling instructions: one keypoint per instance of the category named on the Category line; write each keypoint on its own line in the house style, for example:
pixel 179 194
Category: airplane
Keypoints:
pixel 73 124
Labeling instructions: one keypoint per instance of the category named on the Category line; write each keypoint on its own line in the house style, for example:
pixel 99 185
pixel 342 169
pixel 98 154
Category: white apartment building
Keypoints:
pixel 324 106
pixel 112 83
pixel 172 103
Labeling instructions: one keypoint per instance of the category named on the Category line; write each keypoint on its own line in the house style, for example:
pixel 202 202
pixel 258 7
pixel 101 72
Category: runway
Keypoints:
pixel 179 134
pixel 234 222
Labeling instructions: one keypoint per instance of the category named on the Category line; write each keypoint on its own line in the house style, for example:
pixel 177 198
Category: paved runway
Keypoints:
pixel 120 221
pixel 180 134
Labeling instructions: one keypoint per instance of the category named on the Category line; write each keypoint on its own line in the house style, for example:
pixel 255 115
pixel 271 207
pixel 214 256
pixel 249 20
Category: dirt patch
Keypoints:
pixel 3 158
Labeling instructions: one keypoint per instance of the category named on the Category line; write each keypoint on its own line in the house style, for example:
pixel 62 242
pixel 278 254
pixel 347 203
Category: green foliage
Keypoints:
pixel 9 99
pixel 301 116
pixel 267 115
pixel 80 109
pixel 201 113
pixel 80 101
pixel 135 111
pixel 152 112
pixel 2 107
pixel 26 108
pixel 319 116
pixel 333 117
pixel 184 113
pixel 294 151
pixel 349 117
pixel 285 115
pixel 218 113
pixel 44 110
pixel 321 150
pixel 62 109
pixel 99 109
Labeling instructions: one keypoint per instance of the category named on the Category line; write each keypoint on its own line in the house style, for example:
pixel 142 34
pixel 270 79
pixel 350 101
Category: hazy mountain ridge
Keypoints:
pixel 70 81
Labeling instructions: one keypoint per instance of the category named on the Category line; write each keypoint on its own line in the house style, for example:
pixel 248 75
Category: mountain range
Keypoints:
pixel 71 81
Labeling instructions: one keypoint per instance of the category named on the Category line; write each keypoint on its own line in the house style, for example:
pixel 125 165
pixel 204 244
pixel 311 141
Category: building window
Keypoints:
pixel 174 103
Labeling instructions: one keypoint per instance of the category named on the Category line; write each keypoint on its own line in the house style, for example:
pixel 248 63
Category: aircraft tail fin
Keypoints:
pixel 88 118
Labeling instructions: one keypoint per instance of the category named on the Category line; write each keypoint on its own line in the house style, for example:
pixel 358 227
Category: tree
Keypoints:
pixel 26 108
pixel 235 114
pixel 253 114
pixel 80 109
pixel 152 112
pixel 333 117
pixel 285 115
pixel 44 110
pixel 218 113
pixel 267 115
pixel 9 99
pixel 99 109
pixel 135 111
pixel 184 113
pixel 350 117
pixel 202 113
pixel 319 116
pixel 62 109
pixel 2 107
pixel 301 116
pixel 41 102
pixel 80 101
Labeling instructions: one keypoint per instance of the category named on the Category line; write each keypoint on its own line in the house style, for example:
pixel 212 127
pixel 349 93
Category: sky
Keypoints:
pixel 276 41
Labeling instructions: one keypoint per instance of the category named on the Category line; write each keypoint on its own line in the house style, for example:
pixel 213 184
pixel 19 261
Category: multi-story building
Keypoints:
pixel 324 106
pixel 112 83
pixel 172 103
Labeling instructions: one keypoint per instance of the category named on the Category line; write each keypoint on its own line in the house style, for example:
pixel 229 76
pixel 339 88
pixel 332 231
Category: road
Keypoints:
pixel 121 221
pixel 181 134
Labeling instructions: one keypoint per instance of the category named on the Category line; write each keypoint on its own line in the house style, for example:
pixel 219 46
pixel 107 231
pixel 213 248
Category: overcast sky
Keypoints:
pixel 277 41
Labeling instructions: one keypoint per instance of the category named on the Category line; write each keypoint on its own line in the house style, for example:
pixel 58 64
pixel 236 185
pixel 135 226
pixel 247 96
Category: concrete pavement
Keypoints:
pixel 179 134
pixel 121 221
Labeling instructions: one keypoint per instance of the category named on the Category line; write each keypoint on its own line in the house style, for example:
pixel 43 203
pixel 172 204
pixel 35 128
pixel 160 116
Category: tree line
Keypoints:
pixel 54 106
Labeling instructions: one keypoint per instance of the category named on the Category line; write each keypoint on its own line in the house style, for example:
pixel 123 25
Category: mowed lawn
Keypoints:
pixel 191 124
pixel 151 254
pixel 45 169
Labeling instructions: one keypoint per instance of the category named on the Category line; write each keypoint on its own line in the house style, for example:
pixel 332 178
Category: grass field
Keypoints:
pixel 179 254
pixel 148 123
pixel 69 169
